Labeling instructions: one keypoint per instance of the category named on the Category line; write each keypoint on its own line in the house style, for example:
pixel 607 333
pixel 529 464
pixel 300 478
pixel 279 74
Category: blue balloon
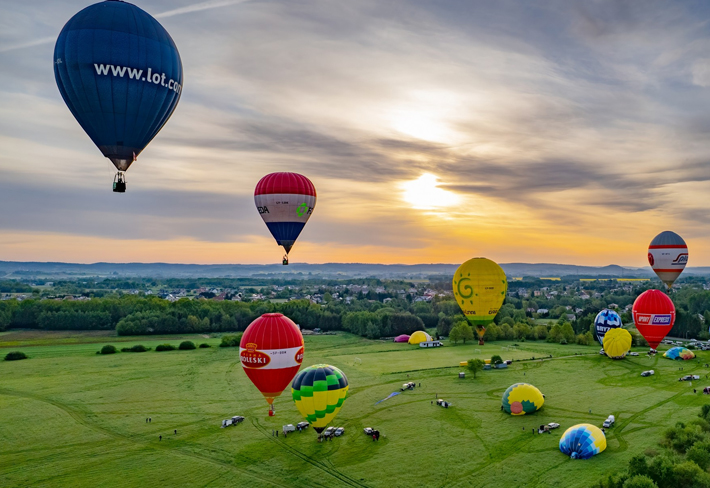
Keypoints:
pixel 604 321
pixel 582 441
pixel 120 74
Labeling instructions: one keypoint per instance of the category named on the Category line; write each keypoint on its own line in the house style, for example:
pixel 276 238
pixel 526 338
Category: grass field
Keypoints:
pixel 71 417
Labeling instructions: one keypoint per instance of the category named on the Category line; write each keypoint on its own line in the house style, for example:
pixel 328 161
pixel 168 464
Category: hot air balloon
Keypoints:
pixel 522 398
pixel 479 288
pixel 654 316
pixel 319 392
pixel 679 353
pixel 582 441
pixel 604 321
pixel 617 342
pixel 271 351
pixel 285 201
pixel 668 255
pixel 418 337
pixel 120 74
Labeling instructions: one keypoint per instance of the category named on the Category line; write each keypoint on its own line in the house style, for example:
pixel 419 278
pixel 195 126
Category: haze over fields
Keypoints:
pixel 522 131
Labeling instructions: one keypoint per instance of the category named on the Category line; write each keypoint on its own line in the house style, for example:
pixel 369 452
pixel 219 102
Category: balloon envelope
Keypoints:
pixel 402 338
pixel 319 392
pixel 522 398
pixel 285 202
pixel 617 342
pixel 679 353
pixel 668 255
pixel 120 74
pixel 419 336
pixel 604 321
pixel 582 441
pixel 479 288
pixel 654 316
pixel 271 351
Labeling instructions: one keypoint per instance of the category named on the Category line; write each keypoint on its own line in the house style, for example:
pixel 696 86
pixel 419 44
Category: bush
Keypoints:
pixel 136 348
pixel 231 340
pixel 108 349
pixel 563 341
pixel 204 345
pixel 496 359
pixel 640 481
pixel 187 345
pixel 15 355
pixel 164 347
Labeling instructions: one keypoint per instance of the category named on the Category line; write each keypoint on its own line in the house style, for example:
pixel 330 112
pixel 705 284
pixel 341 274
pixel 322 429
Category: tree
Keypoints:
pixel 640 481
pixel 455 335
pixel 496 360
pixel 466 332
pixel 475 365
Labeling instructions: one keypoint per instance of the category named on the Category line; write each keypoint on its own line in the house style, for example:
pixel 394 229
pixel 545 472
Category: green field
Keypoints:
pixel 71 417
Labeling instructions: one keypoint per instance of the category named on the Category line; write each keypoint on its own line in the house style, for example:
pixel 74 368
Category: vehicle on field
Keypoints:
pixel 302 425
pixel 289 428
pixel 609 422
pixel 329 431
pixel 650 372
pixel 339 431
pixel 632 354
pixel 443 403
pixel 408 386
pixel 237 419
pixel 689 377
pixel 368 430
pixel 553 425
pixel 430 344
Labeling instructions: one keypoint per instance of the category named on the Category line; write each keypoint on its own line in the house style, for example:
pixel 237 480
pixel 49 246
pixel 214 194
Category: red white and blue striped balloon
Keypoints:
pixel 285 201
pixel 668 255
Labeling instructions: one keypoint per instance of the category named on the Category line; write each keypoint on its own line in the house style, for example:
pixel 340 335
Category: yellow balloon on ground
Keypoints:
pixel 419 336
pixel 617 342
pixel 479 288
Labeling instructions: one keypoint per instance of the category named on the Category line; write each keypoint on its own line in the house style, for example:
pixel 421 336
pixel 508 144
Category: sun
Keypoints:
pixel 424 193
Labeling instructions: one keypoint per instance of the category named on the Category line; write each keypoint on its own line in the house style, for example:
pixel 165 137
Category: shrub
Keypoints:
pixel 108 349
pixel 231 340
pixel 164 347
pixel 496 359
pixel 15 355
pixel 640 481
pixel 563 341
pixel 186 345
pixel 204 345
pixel 136 348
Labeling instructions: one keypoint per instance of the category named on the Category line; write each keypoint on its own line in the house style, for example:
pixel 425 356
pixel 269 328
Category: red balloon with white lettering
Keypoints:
pixel 654 316
pixel 271 351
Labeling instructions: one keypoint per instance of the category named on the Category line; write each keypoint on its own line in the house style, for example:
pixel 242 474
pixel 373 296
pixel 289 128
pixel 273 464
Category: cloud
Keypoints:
pixel 26 44
pixel 198 7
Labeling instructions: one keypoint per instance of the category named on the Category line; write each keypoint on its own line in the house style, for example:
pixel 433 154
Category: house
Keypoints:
pixel 542 311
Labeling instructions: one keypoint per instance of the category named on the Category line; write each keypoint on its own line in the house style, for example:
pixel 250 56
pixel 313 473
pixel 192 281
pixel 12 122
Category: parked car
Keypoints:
pixel 329 431
pixel 339 431
pixel 289 428
pixel 442 403
pixel 302 425
pixel 689 377
pixel 368 430
pixel 609 422
pixel 553 425
pixel 633 354
pixel 237 419
pixel 648 373
pixel 408 386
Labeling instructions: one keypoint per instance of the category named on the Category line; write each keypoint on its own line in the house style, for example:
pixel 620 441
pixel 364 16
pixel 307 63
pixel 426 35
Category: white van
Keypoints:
pixel 609 422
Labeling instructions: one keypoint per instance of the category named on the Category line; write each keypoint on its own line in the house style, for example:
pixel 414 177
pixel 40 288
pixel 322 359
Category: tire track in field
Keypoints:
pixel 76 414
pixel 305 457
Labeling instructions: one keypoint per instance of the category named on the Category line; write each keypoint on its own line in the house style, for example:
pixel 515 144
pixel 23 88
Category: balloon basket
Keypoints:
pixel 480 342
pixel 271 413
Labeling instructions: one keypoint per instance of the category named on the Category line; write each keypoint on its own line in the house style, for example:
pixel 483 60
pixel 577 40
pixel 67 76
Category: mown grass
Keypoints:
pixel 71 417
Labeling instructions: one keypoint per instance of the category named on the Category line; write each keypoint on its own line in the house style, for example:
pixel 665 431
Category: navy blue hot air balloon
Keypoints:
pixel 604 322
pixel 120 74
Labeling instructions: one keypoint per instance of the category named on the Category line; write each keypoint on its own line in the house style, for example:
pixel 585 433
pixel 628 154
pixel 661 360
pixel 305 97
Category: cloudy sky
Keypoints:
pixel 523 131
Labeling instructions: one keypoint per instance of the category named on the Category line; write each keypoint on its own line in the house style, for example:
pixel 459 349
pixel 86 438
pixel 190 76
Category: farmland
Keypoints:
pixel 75 418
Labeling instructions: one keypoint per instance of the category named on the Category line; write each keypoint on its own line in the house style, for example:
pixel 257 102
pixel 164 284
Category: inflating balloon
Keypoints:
pixel 654 316
pixel 679 353
pixel 120 74
pixel 582 441
pixel 617 342
pixel 319 392
pixel 271 351
pixel 419 336
pixel 479 288
pixel 604 321
pixel 522 398
pixel 668 255
pixel 285 201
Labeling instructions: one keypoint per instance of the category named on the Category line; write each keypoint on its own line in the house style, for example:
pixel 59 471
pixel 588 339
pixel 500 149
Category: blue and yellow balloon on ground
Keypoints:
pixel 583 441
pixel 522 398
pixel 319 392
pixel 679 353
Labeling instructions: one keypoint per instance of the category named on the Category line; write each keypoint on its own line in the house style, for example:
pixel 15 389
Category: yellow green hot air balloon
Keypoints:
pixel 479 288
pixel 617 342
pixel 319 392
